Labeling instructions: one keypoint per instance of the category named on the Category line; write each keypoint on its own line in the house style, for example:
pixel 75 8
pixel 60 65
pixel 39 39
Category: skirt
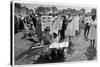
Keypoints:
pixel 92 33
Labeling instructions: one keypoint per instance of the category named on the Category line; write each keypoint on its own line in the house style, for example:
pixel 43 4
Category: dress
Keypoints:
pixel 76 22
pixel 70 31
pixel 93 31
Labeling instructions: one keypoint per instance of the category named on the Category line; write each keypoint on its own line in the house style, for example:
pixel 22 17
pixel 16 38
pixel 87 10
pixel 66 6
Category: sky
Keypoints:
pixel 32 6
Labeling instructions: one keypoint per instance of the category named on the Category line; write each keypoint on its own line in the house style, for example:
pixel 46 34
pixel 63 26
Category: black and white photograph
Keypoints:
pixel 52 33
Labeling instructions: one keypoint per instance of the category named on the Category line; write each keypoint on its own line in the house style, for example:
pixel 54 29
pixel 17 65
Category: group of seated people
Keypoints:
pixel 44 38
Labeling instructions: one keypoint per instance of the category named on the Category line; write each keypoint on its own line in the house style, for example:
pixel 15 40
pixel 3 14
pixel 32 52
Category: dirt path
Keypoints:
pixel 25 56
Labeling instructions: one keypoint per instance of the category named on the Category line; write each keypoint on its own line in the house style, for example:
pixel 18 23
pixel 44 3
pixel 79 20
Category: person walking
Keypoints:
pixel 87 20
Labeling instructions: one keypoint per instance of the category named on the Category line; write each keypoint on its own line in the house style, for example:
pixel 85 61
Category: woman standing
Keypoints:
pixel 70 32
pixel 92 32
pixel 76 22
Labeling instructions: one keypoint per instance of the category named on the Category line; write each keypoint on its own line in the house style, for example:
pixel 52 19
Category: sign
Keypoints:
pixel 46 21
pixel 59 45
pixel 57 24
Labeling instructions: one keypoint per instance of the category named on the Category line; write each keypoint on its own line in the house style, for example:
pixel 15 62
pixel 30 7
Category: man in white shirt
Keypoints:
pixel 87 21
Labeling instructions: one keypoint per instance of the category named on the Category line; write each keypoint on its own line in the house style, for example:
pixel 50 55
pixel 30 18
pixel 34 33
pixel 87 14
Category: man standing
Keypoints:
pixel 87 25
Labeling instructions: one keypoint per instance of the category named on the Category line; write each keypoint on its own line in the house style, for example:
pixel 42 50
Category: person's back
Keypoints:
pixel 46 36
pixel 87 20
pixel 21 24
pixel 34 21
pixel 46 39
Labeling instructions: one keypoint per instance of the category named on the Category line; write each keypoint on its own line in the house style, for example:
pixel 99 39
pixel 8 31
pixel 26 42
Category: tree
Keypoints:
pixel 47 9
pixel 40 10
pixel 59 11
pixel 74 10
pixel 54 9
pixel 24 7
pixel 69 9
pixel 82 11
pixel 93 11
pixel 18 5
pixel 64 12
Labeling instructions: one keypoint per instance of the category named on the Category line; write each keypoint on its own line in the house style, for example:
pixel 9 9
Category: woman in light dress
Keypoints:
pixel 76 24
pixel 92 32
pixel 70 30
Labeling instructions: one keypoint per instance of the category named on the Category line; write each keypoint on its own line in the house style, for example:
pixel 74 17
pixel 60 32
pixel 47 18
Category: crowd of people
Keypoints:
pixel 72 26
